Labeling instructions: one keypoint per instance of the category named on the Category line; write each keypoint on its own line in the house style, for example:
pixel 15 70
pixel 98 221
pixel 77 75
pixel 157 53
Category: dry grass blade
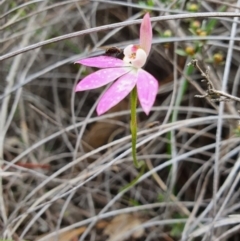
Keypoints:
pixel 67 174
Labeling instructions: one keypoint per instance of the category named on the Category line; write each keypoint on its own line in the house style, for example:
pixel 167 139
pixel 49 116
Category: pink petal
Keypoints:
pixel 118 91
pixel 146 33
pixel 100 78
pixel 102 62
pixel 147 88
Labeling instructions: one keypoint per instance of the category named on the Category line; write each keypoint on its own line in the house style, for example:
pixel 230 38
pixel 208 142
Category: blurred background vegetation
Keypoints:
pixel 68 174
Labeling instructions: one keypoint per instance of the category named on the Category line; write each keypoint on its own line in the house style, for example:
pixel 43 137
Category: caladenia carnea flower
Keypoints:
pixel 129 76
pixel 128 73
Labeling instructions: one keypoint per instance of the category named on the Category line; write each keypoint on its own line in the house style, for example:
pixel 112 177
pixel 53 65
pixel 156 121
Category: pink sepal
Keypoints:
pixel 118 91
pixel 146 34
pixel 102 62
pixel 147 88
pixel 100 78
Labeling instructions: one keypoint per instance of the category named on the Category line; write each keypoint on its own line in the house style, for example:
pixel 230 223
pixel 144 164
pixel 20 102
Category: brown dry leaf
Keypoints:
pixel 71 234
pixel 101 131
pixel 121 224
pixel 66 236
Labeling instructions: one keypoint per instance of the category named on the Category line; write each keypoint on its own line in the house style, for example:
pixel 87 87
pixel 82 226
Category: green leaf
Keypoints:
pixel 142 3
pixel 181 52
pixel 192 31
pixel 177 229
pixel 212 22
pixel 160 197
pixel 134 202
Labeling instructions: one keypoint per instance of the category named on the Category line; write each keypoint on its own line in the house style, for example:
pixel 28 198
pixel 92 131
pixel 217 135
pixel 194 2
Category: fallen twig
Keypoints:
pixel 211 92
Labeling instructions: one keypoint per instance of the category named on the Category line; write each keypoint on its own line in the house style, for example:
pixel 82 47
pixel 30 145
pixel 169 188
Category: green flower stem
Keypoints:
pixel 183 88
pixel 134 181
pixel 133 126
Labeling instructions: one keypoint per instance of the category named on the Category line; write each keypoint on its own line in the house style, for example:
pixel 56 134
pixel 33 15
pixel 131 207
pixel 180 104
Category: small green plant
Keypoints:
pixel 236 131
pixel 134 202
pixel 177 228
pixel 160 197
pixel 148 3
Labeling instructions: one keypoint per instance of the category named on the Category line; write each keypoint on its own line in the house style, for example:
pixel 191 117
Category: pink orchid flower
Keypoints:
pixel 128 72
